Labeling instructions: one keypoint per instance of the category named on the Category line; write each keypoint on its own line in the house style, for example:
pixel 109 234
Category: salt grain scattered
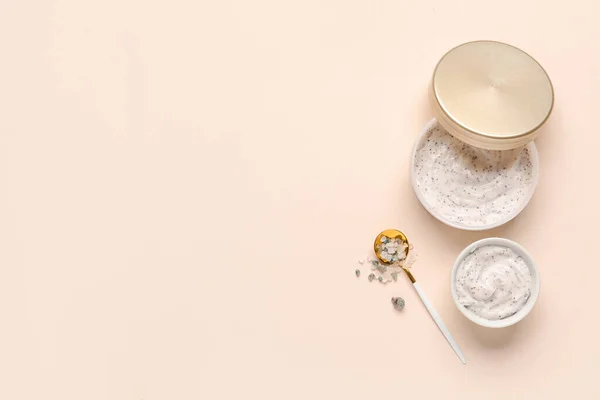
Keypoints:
pixel 398 303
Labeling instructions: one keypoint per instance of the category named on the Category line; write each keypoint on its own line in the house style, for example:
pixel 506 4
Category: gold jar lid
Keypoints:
pixel 491 95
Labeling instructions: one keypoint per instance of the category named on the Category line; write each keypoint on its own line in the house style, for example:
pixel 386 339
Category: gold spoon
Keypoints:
pixel 385 259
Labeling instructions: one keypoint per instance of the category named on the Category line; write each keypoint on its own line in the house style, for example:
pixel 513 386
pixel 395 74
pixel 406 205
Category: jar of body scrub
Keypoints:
pixel 475 165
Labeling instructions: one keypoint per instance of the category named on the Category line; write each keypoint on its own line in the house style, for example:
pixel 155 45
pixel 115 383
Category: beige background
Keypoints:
pixel 185 188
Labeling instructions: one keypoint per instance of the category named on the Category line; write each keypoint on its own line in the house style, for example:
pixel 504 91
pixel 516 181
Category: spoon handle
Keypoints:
pixel 439 323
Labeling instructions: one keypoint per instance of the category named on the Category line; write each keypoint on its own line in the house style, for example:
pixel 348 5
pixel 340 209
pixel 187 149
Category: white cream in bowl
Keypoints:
pixel 495 282
pixel 468 187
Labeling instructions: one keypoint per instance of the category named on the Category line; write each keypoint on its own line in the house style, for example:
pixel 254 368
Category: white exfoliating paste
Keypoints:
pixel 470 186
pixel 493 282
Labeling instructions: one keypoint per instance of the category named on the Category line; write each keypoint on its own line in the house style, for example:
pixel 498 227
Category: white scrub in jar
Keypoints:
pixel 469 186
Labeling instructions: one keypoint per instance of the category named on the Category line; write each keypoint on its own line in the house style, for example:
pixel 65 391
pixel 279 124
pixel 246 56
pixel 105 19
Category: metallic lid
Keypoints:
pixel 491 95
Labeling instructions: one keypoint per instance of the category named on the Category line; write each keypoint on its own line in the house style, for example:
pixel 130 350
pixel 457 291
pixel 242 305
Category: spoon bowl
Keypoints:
pixel 389 234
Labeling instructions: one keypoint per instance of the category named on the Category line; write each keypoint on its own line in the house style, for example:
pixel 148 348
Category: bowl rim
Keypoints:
pixel 413 179
pixel 535 275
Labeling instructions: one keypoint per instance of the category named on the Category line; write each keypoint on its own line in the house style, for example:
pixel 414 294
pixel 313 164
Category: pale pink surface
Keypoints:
pixel 137 136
